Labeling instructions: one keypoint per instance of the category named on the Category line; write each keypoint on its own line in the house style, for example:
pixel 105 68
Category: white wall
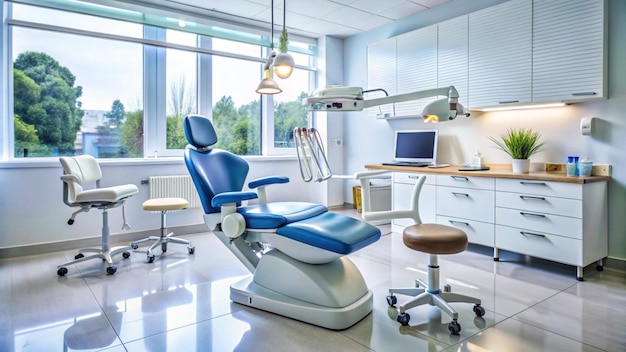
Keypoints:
pixel 370 141
pixel 32 209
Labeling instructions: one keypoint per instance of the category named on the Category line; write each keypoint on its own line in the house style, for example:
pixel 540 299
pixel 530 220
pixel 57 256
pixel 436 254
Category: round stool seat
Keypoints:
pixel 161 204
pixel 435 239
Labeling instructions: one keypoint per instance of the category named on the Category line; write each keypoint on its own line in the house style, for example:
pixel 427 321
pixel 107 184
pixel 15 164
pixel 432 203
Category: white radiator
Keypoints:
pixel 180 186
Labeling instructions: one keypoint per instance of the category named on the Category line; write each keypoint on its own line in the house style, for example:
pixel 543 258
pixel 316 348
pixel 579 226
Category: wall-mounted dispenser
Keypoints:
pixel 586 126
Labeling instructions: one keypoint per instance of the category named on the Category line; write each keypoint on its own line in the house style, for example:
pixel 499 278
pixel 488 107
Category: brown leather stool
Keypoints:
pixel 163 205
pixel 433 239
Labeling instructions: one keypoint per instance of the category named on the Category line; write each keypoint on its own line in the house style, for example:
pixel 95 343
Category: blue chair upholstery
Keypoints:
pixel 295 250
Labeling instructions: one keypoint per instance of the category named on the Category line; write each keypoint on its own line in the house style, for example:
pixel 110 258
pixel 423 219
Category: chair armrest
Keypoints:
pixel 70 178
pixel 370 174
pixel 265 181
pixel 232 197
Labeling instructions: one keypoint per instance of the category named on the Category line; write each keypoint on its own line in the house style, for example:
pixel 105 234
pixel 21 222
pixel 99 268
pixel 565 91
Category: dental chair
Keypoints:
pixel 434 239
pixel 295 251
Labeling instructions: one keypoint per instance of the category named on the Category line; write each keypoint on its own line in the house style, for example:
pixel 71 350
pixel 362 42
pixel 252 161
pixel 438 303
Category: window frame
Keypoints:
pixel 154 95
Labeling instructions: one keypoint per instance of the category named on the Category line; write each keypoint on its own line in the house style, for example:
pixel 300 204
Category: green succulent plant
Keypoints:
pixel 284 41
pixel 519 143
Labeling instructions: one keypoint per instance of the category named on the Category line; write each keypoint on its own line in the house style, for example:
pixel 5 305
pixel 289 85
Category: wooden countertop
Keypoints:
pixel 498 170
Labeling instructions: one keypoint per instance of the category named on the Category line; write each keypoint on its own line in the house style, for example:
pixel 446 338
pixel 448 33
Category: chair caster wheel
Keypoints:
pixel 191 250
pixel 392 300
pixel 126 255
pixel 479 310
pixel 62 271
pixel 134 245
pixel 403 319
pixel 151 258
pixel 78 256
pixel 454 327
pixel 111 270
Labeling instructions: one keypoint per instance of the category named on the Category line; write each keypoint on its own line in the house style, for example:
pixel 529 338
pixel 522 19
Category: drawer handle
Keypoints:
pixel 460 178
pixel 531 197
pixel 460 194
pixel 454 222
pixel 526 183
pixel 583 94
pixel 525 233
pixel 415 177
pixel 508 102
pixel 532 214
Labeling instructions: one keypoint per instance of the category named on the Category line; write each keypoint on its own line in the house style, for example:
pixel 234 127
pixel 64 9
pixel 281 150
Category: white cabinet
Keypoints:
pixel 467 203
pixel 452 69
pixel 416 67
pixel 563 222
pixel 402 195
pixel 500 54
pixel 569 47
pixel 381 74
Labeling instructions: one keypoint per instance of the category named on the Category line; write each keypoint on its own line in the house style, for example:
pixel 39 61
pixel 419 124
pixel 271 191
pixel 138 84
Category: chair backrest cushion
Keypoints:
pixel 213 171
pixel 86 170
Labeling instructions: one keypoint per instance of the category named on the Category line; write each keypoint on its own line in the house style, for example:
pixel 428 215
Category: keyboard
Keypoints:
pixel 407 164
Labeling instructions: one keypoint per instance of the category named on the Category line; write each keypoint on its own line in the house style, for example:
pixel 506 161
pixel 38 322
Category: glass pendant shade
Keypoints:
pixel 268 85
pixel 283 65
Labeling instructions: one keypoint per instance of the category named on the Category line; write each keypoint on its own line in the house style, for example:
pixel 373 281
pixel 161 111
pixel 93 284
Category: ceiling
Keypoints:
pixel 314 18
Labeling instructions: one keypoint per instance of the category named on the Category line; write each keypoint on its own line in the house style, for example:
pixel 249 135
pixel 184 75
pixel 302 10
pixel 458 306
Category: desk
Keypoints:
pixel 542 214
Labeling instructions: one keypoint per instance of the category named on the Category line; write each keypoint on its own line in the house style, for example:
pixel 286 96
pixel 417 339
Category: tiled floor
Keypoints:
pixel 181 303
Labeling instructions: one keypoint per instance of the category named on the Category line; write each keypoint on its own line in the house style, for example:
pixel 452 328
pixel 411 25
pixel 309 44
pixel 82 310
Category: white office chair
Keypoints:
pixel 434 239
pixel 79 171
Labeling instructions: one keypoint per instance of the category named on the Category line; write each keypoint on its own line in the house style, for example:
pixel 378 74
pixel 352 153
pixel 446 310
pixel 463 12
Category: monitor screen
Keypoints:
pixel 418 146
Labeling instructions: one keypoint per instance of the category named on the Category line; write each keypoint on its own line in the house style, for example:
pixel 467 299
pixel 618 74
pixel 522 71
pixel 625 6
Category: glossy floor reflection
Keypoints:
pixel 181 303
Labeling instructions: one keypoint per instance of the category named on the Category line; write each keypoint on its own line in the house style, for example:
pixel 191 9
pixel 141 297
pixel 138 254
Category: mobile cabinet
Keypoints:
pixel 467 203
pixel 563 222
pixel 402 195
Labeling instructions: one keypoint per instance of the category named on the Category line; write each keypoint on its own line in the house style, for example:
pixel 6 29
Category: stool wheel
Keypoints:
pixel 126 255
pixel 111 270
pixel 454 327
pixel 403 319
pixel 191 250
pixel 62 271
pixel 151 258
pixel 479 310
pixel 392 300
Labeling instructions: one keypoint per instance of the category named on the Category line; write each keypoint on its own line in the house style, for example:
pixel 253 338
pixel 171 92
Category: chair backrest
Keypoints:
pixel 213 171
pixel 84 168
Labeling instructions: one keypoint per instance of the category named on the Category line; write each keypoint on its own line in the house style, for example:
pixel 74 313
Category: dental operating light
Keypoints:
pixel 337 98
pixel 268 85
pixel 283 62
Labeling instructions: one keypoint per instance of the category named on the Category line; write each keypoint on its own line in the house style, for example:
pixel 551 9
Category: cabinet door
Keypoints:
pixel 417 68
pixel 381 74
pixel 452 52
pixel 500 54
pixel 569 44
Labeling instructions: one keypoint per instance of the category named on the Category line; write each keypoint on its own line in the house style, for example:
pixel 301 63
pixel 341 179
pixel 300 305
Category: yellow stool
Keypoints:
pixel 163 205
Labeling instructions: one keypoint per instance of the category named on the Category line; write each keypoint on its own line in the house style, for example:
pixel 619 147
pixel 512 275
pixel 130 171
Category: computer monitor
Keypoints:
pixel 418 146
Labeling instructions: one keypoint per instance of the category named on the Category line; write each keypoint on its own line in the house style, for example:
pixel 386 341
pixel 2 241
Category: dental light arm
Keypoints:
pixel 351 99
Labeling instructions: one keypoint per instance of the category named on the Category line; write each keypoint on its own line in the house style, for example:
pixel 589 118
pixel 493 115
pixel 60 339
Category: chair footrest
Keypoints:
pixel 332 232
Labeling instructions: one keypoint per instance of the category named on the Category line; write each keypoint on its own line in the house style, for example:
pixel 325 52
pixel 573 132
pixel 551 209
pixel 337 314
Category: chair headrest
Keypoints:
pixel 199 131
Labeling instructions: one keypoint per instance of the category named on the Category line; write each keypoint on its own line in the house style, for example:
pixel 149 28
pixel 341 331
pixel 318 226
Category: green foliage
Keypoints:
pixel 45 97
pixel 519 143
pixel 284 41
pixel 132 134
pixel 175 133
pixel 116 116
pixel 24 132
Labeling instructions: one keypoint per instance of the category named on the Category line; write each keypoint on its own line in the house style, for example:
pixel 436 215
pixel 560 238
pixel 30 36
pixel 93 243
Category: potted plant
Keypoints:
pixel 520 144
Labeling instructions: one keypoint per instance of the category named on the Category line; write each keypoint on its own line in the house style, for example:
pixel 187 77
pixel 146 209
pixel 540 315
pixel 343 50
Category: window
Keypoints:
pixel 115 85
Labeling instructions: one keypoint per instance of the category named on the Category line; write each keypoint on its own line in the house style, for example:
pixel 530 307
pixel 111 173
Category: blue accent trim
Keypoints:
pixel 232 197
pixel 434 292
pixel 268 181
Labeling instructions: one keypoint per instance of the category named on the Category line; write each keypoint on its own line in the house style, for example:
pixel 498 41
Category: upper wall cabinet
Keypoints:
pixel 569 50
pixel 500 54
pixel 417 67
pixel 452 56
pixel 381 74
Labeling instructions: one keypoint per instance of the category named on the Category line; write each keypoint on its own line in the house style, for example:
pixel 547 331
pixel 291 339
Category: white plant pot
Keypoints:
pixel 520 166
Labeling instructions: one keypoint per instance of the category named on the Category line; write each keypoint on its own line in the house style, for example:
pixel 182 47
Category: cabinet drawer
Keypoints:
pixel 546 188
pixel 477 232
pixel 411 178
pixel 474 204
pixel 541 222
pixel 542 245
pixel 541 204
pixel 466 181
